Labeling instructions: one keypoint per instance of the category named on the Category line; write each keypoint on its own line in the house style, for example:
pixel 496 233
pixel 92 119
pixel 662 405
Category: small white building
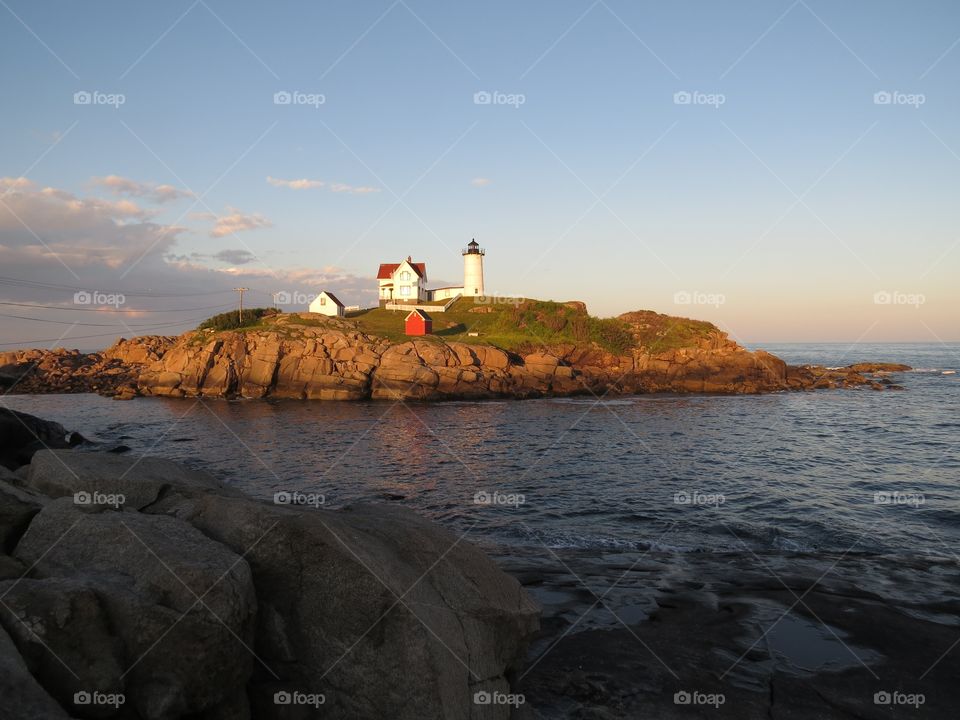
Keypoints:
pixel 326 303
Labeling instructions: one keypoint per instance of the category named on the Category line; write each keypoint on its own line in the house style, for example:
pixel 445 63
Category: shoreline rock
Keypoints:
pixel 142 579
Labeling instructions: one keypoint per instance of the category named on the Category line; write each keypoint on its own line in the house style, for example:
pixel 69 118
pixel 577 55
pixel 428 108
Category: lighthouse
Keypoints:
pixel 473 270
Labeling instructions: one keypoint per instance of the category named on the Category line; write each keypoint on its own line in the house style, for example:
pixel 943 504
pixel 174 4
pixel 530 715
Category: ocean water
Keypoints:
pixel 845 470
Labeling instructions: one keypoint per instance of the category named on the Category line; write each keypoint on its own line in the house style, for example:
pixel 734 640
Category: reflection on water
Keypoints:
pixel 795 471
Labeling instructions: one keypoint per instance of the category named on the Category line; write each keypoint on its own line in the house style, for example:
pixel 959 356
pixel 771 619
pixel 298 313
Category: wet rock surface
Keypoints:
pixel 730 635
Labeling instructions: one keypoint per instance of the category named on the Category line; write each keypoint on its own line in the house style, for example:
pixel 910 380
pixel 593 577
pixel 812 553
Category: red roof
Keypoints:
pixel 388 269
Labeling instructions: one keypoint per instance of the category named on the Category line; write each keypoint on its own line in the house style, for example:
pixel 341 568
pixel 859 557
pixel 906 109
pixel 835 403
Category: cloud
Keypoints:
pixel 302 184
pixel 307 184
pixel 9 184
pixel 235 257
pixel 55 243
pixel 50 224
pixel 233 222
pixel 480 182
pixel 125 186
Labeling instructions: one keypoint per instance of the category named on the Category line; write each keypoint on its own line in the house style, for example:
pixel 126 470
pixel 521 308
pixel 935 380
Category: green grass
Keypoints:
pixel 659 333
pixel 231 320
pixel 522 326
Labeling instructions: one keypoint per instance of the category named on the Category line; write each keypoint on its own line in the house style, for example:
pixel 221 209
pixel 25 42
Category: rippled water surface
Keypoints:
pixel 784 471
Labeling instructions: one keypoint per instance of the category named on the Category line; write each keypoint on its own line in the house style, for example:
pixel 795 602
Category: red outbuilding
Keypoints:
pixel 418 323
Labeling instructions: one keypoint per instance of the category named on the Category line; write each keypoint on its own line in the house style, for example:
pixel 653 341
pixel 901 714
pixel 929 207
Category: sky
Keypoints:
pixel 785 169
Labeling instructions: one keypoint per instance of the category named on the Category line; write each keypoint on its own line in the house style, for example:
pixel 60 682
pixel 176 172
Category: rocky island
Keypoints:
pixel 552 349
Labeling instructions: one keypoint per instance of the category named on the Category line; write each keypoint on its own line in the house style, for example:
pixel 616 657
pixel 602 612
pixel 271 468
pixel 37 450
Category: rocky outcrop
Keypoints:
pixel 160 590
pixel 112 372
pixel 331 359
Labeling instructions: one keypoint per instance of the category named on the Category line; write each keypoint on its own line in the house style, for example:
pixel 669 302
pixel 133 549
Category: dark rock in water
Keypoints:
pixel 119 449
pixel 875 367
pixel 21 435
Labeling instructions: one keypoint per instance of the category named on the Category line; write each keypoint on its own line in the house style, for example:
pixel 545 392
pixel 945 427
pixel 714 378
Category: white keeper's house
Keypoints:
pixel 406 282
pixel 326 303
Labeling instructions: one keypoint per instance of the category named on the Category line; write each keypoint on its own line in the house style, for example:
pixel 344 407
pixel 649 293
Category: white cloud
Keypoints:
pixel 9 184
pixel 125 186
pixel 233 222
pixel 56 242
pixel 307 184
pixel 480 182
pixel 52 224
pixel 301 184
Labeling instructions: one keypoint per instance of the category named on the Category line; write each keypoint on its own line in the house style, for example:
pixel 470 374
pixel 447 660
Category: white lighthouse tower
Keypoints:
pixel 473 270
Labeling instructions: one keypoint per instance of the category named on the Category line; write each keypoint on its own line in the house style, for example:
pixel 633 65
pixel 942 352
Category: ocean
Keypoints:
pixel 805 472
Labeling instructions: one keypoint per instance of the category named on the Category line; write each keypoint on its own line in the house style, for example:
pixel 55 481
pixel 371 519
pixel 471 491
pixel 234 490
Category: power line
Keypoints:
pixel 132 293
pixel 83 324
pixel 107 310
pixel 87 337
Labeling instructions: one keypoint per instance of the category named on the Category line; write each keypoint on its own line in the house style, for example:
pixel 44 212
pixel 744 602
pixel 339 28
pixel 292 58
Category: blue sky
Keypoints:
pixel 782 200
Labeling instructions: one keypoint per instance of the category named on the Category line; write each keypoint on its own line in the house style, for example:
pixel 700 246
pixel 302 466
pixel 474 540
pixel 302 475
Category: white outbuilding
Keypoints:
pixel 326 303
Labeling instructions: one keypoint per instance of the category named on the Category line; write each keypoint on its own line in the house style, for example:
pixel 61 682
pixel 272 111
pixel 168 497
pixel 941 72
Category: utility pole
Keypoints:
pixel 241 290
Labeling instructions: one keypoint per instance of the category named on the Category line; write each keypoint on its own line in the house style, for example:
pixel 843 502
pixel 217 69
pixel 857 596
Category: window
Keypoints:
pixel 405 275
pixel 323 301
pixel 405 290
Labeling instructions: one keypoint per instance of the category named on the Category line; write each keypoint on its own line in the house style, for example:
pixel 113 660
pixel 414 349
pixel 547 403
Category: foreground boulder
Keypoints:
pixel 381 611
pixel 181 606
pixel 150 582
